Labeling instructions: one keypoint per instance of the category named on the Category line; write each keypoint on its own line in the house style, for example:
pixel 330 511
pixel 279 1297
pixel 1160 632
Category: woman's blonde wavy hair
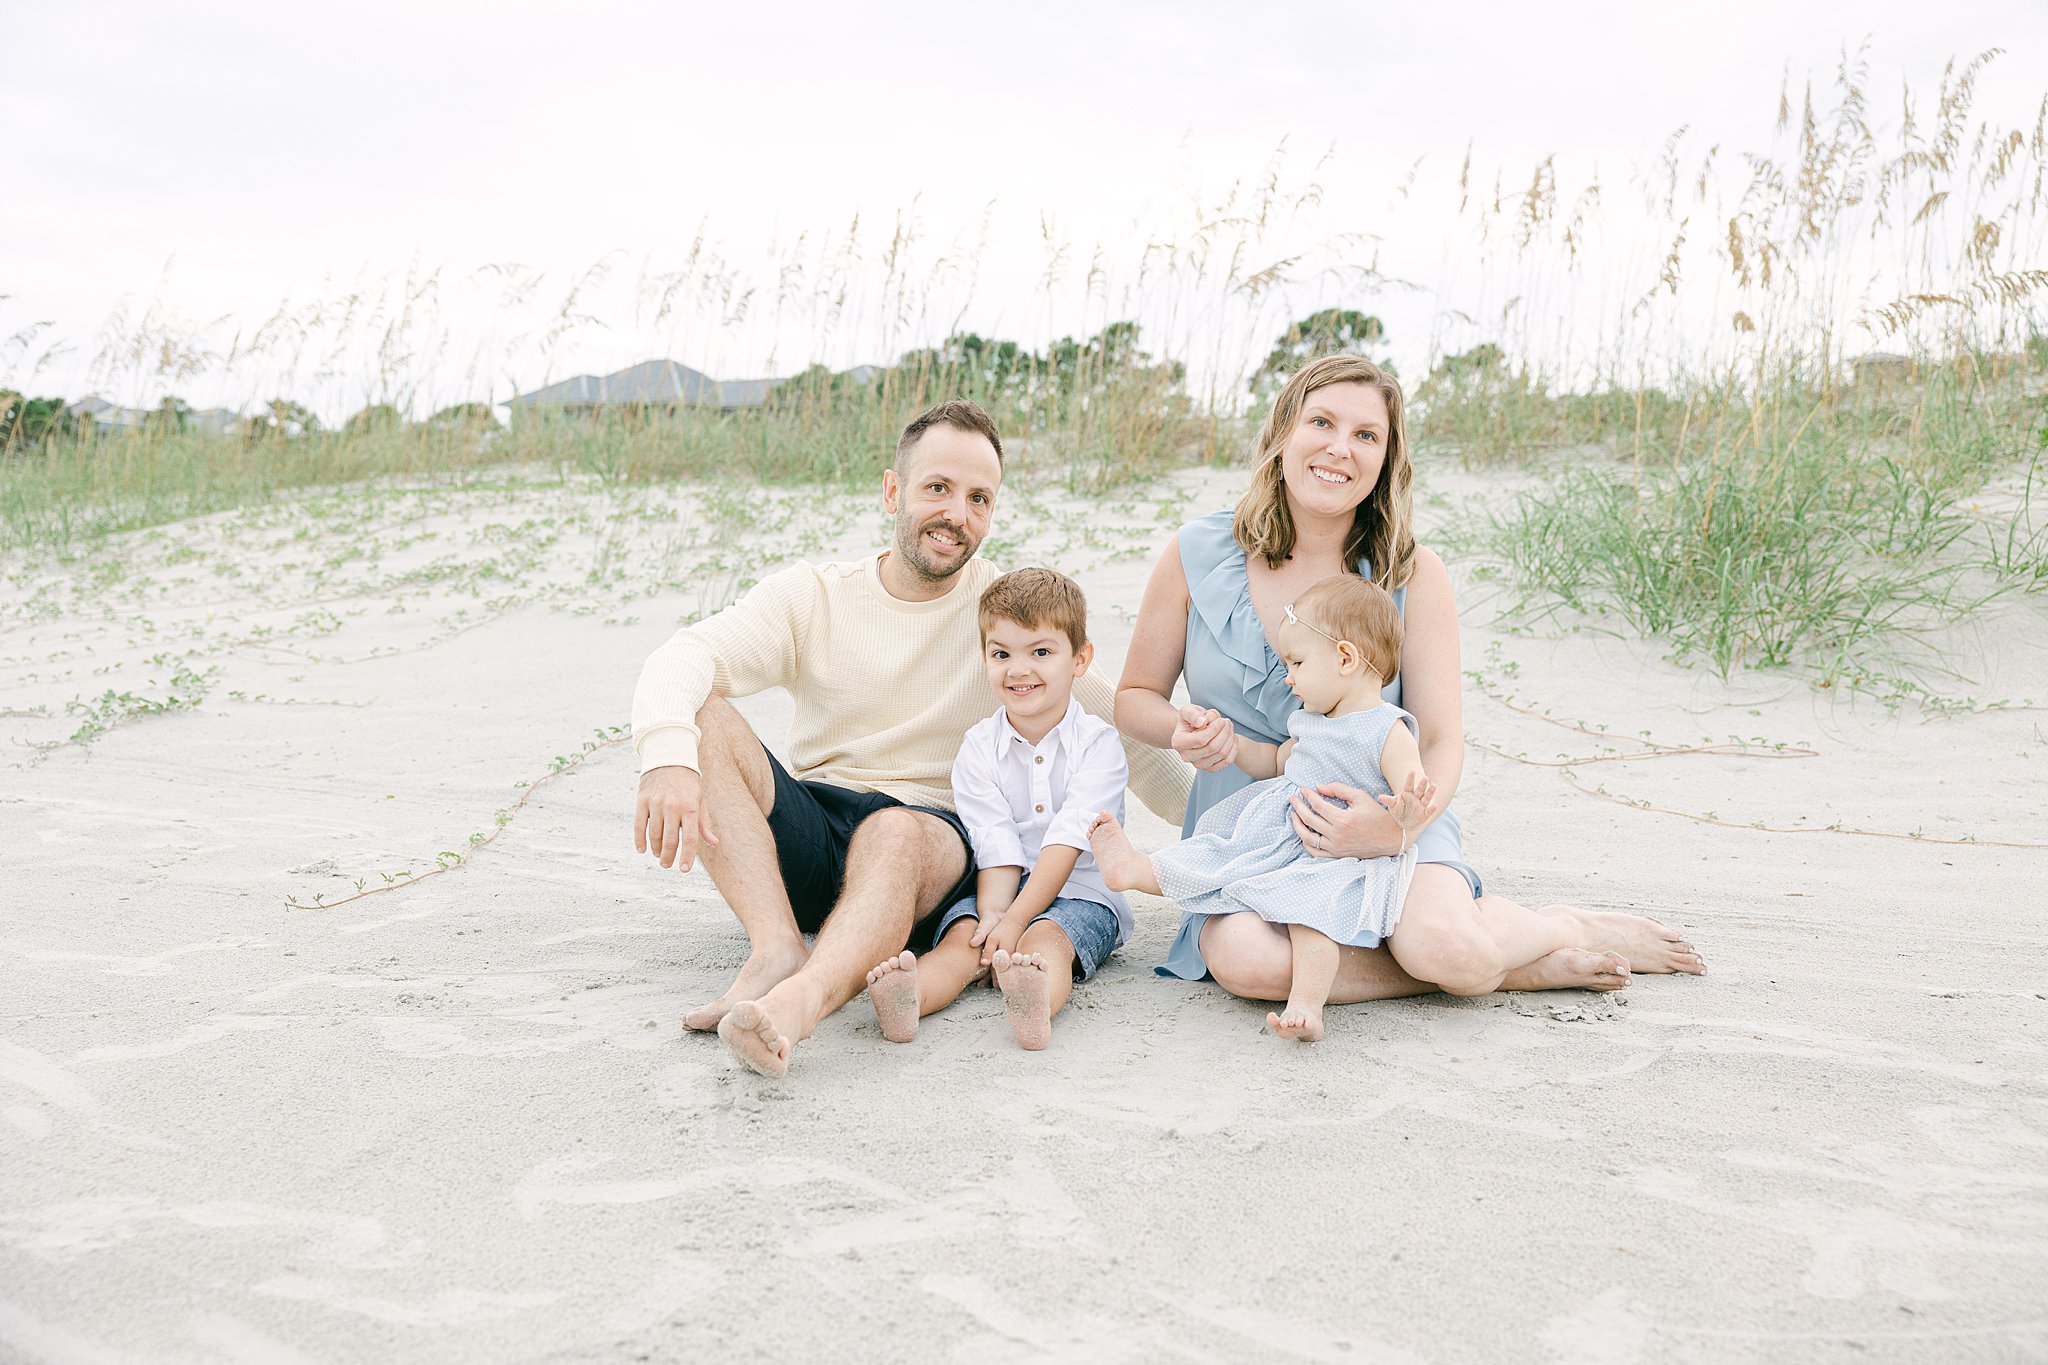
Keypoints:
pixel 1382 530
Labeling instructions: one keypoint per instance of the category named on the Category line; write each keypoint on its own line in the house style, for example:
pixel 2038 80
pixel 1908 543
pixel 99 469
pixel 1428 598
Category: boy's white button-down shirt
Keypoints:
pixel 1015 797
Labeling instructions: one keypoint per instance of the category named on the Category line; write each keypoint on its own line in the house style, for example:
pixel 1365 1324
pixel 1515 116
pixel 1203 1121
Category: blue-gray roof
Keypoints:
pixel 652 381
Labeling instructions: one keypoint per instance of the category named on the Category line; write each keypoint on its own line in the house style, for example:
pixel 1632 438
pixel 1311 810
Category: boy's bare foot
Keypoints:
pixel 1573 967
pixel 1025 991
pixel 1649 947
pixel 1123 867
pixel 892 990
pixel 1302 1025
pixel 752 1037
pixel 761 973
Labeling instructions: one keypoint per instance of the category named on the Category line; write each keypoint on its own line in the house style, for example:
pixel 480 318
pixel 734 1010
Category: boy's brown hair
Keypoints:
pixel 1037 597
pixel 1361 611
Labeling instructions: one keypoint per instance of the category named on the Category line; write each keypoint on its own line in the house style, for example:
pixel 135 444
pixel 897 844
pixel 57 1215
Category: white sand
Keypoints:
pixel 460 1122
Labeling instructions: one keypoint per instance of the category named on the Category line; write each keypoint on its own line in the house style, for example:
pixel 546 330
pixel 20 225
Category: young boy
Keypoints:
pixel 1027 784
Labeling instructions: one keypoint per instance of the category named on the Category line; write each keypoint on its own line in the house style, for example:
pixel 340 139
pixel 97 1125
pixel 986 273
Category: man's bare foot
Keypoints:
pixel 1572 968
pixel 1302 1025
pixel 1123 867
pixel 752 1037
pixel 892 990
pixel 1649 947
pixel 761 973
pixel 1025 992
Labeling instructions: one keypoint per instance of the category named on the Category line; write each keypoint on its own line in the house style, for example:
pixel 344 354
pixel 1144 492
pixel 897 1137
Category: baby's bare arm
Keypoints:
pixel 1263 761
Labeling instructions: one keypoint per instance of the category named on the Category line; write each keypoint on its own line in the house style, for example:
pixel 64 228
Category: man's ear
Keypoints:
pixel 892 488
pixel 1083 657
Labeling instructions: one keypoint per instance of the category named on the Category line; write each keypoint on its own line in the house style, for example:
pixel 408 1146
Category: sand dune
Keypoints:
pixel 459 1121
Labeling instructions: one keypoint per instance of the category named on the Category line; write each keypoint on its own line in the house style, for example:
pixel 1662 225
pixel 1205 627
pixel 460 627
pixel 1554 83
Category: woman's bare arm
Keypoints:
pixel 1432 686
pixel 1144 697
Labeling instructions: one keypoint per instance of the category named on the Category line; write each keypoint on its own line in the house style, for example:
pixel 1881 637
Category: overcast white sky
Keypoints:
pixel 219 158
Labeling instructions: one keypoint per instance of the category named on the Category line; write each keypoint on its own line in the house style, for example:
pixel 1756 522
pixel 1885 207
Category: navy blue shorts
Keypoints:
pixel 813 823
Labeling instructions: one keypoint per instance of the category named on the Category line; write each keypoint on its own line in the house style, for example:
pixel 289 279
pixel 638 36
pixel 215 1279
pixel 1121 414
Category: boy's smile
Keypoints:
pixel 1033 668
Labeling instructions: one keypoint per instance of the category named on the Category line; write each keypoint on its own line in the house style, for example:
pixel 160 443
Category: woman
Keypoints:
pixel 1330 493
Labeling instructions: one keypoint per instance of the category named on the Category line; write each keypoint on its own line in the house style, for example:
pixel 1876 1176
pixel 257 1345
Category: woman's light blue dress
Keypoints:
pixel 1245 854
pixel 1229 667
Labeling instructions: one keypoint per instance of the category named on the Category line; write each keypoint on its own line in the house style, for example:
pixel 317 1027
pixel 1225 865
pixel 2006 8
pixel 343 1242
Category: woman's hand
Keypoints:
pixel 1205 738
pixel 1359 828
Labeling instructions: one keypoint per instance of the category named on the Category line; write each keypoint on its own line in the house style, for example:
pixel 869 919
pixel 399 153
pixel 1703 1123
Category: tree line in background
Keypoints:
pixel 1048 387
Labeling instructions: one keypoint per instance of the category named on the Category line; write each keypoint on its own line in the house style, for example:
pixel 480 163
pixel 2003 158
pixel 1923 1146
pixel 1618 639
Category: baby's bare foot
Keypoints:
pixel 892 990
pixel 1302 1025
pixel 752 1037
pixel 1025 998
pixel 1123 867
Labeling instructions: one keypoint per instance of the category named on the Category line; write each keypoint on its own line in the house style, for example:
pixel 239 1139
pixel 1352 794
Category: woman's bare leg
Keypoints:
pixel 1443 936
pixel 1255 961
pixel 1649 946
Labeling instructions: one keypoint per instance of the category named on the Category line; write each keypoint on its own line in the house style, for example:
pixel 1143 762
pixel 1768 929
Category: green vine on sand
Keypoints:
pixel 1654 749
pixel 449 859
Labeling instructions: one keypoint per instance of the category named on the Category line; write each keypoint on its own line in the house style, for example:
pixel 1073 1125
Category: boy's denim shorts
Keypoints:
pixel 1091 928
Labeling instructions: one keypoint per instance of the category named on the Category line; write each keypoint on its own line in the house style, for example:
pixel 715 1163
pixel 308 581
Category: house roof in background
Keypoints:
pixel 651 381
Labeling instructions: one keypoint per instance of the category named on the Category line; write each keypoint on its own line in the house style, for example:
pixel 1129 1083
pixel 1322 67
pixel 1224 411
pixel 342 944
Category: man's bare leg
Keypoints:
pixel 900 864
pixel 739 791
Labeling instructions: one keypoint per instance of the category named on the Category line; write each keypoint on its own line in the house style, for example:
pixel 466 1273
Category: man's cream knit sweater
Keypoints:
pixel 884 688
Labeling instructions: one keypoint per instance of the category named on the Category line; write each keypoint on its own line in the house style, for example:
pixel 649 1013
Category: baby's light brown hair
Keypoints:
pixel 1361 611
pixel 1037 597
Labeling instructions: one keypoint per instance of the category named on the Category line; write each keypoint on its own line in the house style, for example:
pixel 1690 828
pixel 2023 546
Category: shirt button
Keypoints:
pixel 1041 758
pixel 1039 809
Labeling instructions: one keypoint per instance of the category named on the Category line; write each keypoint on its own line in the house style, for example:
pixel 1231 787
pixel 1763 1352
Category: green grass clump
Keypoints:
pixel 1809 528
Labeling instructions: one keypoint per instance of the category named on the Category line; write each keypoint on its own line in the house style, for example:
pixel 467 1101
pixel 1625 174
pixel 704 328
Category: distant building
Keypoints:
pixel 1882 369
pixel 650 384
pixel 109 418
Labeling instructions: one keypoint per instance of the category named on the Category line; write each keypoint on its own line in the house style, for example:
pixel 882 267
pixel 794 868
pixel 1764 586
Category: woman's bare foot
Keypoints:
pixel 892 990
pixel 761 973
pixel 1123 867
pixel 1302 1025
pixel 1649 947
pixel 752 1037
pixel 1025 998
pixel 1571 968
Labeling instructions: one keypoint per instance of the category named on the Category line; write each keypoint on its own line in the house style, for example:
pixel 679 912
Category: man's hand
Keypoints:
pixel 1004 933
pixel 670 818
pixel 1205 738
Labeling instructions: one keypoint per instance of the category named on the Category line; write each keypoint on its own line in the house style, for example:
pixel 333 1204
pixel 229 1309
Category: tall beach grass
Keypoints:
pixel 1721 462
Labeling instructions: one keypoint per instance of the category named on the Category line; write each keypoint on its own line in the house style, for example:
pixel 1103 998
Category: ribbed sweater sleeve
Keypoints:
pixel 749 647
pixel 1161 779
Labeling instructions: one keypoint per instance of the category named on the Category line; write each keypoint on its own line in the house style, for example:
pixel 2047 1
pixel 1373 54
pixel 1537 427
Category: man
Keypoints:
pixel 859 844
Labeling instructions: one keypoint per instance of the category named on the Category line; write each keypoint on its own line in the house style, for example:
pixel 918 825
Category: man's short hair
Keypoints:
pixel 959 413
pixel 1037 599
pixel 1361 611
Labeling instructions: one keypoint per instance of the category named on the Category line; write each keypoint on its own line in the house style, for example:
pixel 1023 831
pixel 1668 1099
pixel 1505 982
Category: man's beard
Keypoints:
pixel 910 544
